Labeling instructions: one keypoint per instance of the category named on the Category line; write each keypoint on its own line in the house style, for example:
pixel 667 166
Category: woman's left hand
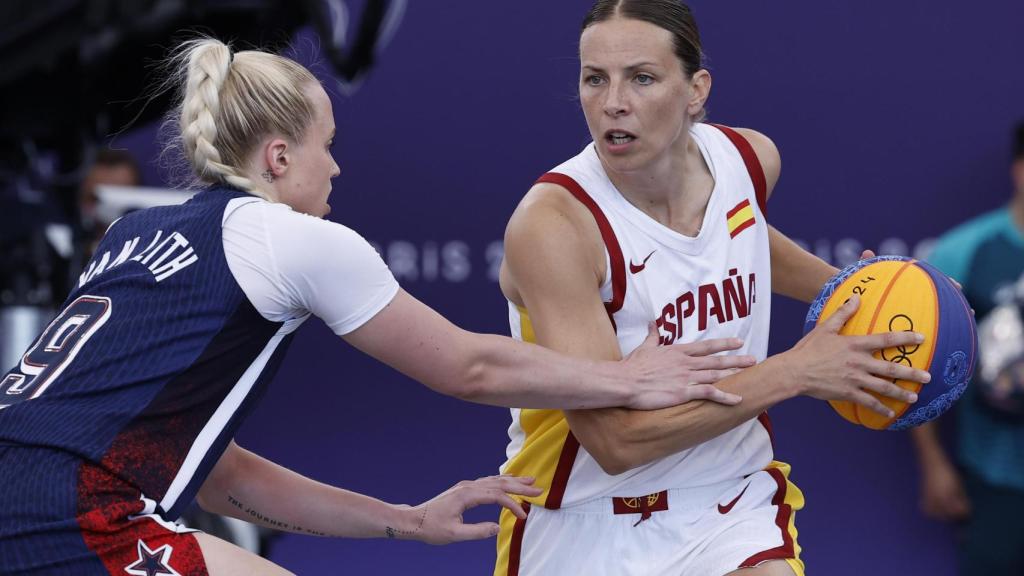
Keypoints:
pixel 439 520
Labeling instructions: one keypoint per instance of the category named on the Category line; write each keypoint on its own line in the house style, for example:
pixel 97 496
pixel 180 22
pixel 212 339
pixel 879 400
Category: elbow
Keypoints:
pixel 618 460
pixel 624 441
pixel 468 376
pixel 616 454
pixel 612 464
pixel 469 383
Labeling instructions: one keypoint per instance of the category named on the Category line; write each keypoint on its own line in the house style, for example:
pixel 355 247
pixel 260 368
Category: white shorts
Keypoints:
pixel 706 531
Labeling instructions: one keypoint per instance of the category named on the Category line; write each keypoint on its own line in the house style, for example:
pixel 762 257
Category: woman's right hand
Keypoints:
pixel 830 366
pixel 665 376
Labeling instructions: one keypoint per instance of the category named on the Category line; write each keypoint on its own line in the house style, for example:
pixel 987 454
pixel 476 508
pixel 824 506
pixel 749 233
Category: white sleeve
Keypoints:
pixel 290 264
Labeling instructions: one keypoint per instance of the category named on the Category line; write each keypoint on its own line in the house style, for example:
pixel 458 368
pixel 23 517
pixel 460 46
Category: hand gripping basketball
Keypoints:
pixel 903 294
pixel 670 375
pixel 831 366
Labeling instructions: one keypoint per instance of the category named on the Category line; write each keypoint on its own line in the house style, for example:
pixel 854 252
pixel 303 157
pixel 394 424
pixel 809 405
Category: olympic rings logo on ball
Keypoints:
pixel 902 323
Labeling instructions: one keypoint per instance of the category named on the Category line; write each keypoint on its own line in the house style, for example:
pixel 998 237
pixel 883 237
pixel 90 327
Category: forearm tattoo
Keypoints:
pixel 395 533
pixel 260 518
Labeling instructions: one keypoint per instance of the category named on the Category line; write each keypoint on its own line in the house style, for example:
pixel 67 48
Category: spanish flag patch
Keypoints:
pixel 740 218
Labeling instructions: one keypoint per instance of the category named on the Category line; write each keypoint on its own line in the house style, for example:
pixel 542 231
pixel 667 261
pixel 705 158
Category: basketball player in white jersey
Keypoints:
pixel 663 219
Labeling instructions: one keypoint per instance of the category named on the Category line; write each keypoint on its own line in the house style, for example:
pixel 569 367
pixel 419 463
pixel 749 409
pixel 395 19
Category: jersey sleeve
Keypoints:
pixel 291 264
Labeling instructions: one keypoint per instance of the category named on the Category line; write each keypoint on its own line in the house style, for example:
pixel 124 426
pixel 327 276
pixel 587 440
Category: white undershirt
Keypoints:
pixel 290 265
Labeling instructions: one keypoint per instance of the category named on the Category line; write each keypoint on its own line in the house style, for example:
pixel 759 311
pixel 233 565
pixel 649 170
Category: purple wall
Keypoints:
pixel 893 125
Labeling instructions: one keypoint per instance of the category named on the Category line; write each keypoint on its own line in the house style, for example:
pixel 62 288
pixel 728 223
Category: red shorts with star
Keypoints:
pixel 144 546
pixel 60 516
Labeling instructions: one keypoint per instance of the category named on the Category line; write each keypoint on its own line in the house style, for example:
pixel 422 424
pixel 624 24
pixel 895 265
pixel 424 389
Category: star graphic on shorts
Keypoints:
pixel 152 562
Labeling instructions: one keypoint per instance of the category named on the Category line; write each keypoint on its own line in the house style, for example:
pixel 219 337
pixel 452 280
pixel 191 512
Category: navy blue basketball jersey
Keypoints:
pixel 152 363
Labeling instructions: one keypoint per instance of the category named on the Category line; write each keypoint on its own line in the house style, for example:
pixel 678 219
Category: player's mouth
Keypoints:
pixel 618 140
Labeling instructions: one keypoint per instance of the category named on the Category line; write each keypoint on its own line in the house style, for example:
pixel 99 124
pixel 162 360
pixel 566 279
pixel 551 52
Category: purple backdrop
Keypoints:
pixel 893 125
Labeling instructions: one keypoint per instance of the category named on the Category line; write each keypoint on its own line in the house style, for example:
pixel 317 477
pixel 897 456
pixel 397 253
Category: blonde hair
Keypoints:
pixel 228 102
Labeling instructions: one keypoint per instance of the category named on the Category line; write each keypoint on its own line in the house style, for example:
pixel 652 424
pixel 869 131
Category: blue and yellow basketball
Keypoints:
pixel 897 294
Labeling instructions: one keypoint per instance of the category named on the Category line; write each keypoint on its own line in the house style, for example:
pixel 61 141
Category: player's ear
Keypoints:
pixel 276 156
pixel 700 89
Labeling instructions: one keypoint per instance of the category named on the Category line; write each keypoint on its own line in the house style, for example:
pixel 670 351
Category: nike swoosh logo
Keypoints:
pixel 725 509
pixel 636 268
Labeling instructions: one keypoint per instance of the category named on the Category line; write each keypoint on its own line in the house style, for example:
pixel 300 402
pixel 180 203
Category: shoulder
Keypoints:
pixel 551 211
pixel 280 222
pixel 550 226
pixel 766 151
pixel 292 240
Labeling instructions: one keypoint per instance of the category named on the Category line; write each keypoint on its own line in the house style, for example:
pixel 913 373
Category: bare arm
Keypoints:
pixel 417 341
pixel 245 486
pixel 796 272
pixel 621 439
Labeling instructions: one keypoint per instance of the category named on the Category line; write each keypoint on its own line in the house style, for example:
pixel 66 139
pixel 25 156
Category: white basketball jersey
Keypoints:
pixel 714 285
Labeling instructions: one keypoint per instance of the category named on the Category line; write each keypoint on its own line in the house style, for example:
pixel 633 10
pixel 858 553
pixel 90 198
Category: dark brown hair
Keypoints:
pixel 670 15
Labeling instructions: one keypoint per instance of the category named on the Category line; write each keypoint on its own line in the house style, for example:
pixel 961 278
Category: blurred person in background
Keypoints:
pixel 982 484
pixel 45 245
pixel 110 167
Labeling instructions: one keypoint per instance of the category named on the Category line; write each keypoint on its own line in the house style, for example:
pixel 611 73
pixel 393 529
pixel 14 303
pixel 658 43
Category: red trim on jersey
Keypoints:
pixel 562 471
pixel 515 548
pixel 754 167
pixel 767 423
pixel 611 243
pixel 782 521
pixel 618 263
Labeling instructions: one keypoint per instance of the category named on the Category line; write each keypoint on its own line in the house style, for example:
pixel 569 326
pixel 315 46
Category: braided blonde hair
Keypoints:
pixel 228 103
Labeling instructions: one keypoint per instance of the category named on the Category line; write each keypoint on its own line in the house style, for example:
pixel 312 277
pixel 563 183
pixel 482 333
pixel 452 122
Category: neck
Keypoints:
pixel 259 185
pixel 673 190
pixel 657 183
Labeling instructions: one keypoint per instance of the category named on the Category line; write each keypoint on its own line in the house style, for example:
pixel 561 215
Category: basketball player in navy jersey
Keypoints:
pixel 123 410
pixel 693 489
